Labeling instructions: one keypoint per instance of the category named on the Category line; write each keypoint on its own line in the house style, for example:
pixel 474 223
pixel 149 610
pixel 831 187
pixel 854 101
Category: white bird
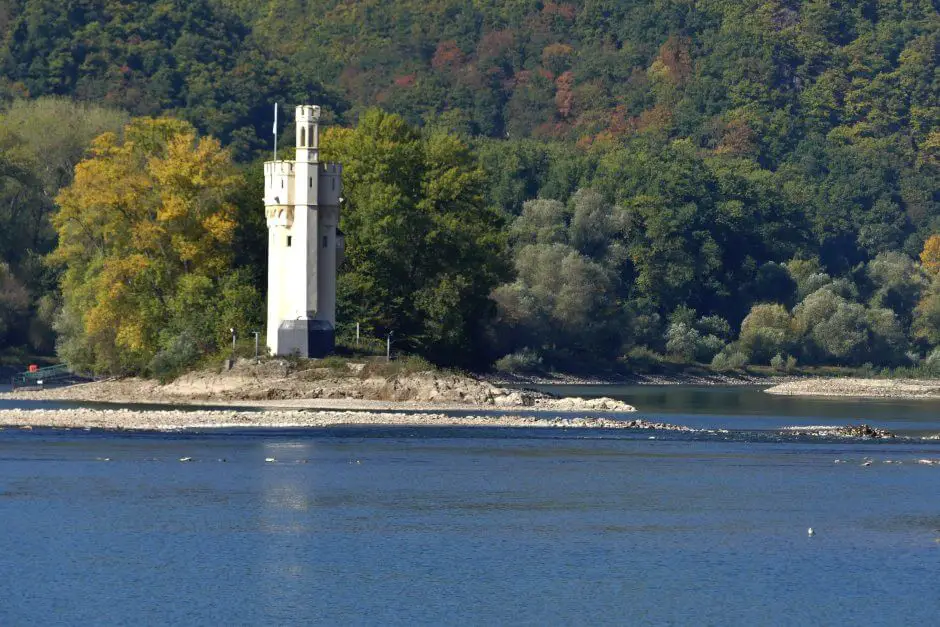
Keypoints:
pixel 270 460
pixel 810 532
pixel 186 459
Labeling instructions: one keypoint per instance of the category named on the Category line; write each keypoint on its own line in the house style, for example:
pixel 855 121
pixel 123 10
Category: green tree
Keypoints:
pixel 766 331
pixel 423 251
pixel 40 142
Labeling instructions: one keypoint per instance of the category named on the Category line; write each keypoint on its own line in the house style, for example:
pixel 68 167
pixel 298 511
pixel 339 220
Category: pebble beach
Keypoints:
pixel 860 388
pixel 167 420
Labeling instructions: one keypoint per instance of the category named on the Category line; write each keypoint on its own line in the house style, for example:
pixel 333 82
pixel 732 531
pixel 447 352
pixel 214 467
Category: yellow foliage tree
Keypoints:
pixel 145 209
pixel 930 256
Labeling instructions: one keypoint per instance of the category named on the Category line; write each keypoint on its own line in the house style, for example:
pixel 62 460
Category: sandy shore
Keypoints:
pixel 860 388
pixel 163 420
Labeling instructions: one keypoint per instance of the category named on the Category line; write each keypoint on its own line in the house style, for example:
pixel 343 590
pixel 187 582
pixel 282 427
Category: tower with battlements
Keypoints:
pixel 301 202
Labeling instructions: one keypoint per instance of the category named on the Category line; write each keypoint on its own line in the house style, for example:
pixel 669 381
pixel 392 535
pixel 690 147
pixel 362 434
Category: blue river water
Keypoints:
pixel 481 526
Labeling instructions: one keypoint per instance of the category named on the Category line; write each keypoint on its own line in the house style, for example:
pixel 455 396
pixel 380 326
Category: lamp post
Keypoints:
pixel 388 346
pixel 233 343
pixel 256 344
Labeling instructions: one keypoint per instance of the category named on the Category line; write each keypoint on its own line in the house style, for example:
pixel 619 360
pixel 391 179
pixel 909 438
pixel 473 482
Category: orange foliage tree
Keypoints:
pixel 930 256
pixel 145 240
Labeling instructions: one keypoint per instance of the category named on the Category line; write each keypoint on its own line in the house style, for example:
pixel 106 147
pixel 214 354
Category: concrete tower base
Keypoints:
pixel 305 338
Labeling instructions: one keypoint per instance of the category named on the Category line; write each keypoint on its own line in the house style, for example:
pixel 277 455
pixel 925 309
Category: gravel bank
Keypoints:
pixel 274 384
pixel 860 388
pixel 637 379
pixel 174 419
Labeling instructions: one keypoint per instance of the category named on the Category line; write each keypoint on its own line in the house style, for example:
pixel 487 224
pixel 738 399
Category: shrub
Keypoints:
pixel 729 360
pixel 525 360
pixel 709 346
pixel 682 341
pixel 182 351
pixel 715 325
pixel 643 358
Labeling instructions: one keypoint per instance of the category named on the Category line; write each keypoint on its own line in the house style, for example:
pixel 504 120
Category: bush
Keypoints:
pixel 729 360
pixel 708 347
pixel 682 341
pixel 525 360
pixel 182 351
pixel 715 325
pixel 643 358
pixel 933 359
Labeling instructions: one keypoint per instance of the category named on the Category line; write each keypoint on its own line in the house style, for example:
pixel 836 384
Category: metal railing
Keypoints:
pixel 43 376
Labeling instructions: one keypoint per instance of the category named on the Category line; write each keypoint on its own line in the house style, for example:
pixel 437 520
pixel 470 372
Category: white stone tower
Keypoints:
pixel 301 202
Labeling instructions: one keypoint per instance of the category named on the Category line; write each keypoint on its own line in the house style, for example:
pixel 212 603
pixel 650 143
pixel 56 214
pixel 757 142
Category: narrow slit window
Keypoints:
pixel 289 239
pixel 326 241
pixel 303 137
pixel 334 183
pixel 311 182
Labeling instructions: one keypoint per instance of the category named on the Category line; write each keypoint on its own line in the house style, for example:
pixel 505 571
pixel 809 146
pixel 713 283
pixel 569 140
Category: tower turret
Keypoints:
pixel 308 133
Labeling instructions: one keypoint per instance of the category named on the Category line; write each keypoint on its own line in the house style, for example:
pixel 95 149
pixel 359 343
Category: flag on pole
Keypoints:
pixel 275 131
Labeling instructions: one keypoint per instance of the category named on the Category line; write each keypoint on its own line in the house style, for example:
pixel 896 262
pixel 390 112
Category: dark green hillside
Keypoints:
pixel 191 58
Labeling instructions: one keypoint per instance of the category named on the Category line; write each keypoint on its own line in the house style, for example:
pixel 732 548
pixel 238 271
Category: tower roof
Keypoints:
pixel 308 113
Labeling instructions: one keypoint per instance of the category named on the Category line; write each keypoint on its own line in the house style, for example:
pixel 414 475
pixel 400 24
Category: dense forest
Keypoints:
pixel 572 185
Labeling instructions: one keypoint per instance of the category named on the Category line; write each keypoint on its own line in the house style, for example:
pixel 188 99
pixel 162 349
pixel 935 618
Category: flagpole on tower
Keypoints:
pixel 275 131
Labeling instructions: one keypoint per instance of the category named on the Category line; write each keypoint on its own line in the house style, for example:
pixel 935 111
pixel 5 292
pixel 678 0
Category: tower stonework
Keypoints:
pixel 305 247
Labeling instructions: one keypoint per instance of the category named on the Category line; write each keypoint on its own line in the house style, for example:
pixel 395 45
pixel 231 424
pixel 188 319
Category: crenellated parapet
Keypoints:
pixel 331 184
pixel 278 183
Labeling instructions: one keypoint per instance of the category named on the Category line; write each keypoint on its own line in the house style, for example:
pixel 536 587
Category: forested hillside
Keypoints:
pixel 721 181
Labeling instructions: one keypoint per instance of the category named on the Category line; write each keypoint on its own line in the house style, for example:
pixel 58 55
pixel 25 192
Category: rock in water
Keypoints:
pixel 850 431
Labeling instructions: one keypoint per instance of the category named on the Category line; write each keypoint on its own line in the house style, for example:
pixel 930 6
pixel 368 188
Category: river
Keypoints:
pixel 482 526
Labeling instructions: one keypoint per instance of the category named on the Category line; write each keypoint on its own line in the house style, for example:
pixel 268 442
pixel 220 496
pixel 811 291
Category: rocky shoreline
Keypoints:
pixel 860 388
pixel 170 420
pixel 274 385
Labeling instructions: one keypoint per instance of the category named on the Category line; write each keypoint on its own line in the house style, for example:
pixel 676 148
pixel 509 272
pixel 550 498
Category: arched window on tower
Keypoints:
pixel 303 137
